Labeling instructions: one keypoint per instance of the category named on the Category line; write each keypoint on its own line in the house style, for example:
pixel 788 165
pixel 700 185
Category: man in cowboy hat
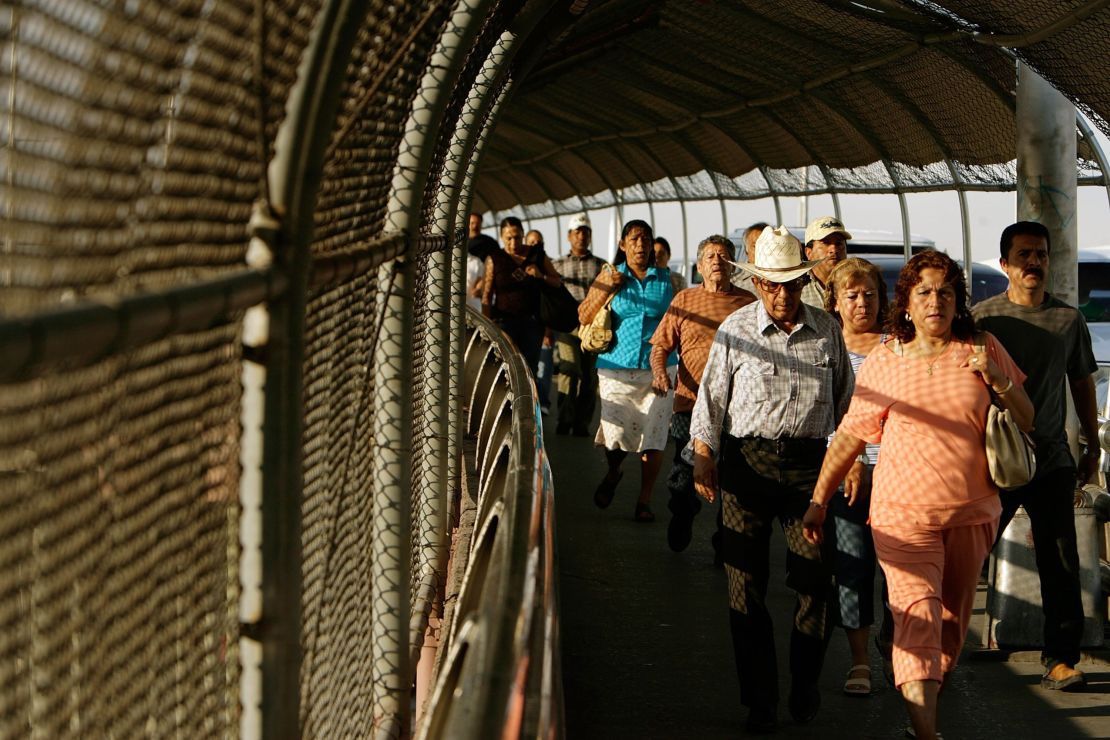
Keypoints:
pixel 775 386
pixel 827 244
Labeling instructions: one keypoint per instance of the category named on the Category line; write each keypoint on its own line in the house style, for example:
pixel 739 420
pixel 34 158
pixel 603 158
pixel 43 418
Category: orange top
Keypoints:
pixel 930 418
pixel 689 326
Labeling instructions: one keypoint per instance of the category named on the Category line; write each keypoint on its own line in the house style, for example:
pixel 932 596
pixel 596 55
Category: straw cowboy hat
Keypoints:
pixel 778 257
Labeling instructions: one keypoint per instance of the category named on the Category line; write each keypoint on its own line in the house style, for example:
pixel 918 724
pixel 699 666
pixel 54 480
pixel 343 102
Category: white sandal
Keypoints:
pixel 858 686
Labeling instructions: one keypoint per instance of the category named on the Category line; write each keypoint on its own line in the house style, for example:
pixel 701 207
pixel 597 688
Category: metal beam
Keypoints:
pixel 1096 147
pixel 578 157
pixel 294 177
pixel 441 367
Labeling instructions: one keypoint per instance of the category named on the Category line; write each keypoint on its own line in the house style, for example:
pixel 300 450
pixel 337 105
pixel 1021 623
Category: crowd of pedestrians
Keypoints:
pixel 791 391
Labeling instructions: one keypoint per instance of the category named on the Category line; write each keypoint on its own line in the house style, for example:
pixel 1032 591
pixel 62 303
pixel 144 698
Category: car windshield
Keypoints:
pixel 1094 291
pixel 985 280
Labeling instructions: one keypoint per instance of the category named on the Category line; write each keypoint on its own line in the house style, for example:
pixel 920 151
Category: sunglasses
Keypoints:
pixel 793 286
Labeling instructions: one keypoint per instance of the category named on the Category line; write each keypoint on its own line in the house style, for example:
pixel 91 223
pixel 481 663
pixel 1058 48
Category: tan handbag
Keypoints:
pixel 1011 456
pixel 597 336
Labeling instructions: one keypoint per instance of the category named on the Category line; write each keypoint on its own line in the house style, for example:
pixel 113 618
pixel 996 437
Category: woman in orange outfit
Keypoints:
pixel 934 509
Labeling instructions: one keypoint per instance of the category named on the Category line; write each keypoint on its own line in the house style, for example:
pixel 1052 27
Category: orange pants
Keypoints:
pixel 931 576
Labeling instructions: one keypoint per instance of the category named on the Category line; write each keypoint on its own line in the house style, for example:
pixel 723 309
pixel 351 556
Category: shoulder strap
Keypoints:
pixel 609 300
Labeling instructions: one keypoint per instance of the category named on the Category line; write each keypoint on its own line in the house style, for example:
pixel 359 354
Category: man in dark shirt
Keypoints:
pixel 1049 340
pixel 478 244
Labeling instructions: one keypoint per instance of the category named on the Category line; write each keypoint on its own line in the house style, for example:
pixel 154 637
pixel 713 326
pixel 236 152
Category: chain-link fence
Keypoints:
pixel 230 453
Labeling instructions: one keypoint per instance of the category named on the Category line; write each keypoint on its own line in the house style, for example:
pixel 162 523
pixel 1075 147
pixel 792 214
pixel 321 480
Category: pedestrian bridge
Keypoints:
pixel 260 472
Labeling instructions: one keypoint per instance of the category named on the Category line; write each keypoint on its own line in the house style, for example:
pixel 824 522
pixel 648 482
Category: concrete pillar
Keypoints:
pixel 1046 185
pixel 1046 174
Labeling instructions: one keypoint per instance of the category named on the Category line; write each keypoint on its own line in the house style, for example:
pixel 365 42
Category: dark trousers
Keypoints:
pixel 684 502
pixel 680 481
pixel 1048 500
pixel 853 555
pixel 577 384
pixel 527 334
pixel 762 480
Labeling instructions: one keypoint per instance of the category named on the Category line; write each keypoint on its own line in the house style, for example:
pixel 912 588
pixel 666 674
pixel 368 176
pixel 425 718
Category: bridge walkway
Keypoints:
pixel 647 654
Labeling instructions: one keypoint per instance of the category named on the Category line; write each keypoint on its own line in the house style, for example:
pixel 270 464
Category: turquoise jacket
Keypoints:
pixel 637 309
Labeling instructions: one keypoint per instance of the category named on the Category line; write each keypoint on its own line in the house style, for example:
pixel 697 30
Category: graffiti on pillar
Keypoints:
pixel 1045 202
pixel 1040 200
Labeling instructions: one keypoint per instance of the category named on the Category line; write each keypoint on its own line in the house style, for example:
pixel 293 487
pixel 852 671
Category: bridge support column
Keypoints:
pixel 1046 176
pixel 1046 184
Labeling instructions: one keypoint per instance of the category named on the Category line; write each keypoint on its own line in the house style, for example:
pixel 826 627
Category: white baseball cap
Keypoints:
pixel 579 221
pixel 821 227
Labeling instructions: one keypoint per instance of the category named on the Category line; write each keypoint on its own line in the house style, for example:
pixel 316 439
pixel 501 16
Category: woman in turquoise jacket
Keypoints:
pixel 634 416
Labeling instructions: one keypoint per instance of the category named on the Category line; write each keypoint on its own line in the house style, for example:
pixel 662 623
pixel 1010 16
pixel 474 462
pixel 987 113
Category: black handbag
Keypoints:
pixel 558 308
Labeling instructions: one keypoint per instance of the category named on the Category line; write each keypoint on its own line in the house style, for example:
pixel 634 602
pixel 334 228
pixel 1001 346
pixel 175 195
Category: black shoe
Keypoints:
pixel 679 532
pixel 762 721
pixel 606 489
pixel 718 551
pixel 562 428
pixel 581 432
pixel 804 703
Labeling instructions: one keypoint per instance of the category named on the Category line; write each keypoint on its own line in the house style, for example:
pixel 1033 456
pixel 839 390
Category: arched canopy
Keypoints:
pixel 737 99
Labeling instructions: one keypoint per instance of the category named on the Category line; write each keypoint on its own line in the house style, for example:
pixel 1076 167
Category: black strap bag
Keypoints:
pixel 558 309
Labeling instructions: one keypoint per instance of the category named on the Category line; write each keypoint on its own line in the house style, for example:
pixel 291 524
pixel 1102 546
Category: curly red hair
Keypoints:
pixel 898 324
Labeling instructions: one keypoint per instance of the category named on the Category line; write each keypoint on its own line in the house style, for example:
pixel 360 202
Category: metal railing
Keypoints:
pixel 500 675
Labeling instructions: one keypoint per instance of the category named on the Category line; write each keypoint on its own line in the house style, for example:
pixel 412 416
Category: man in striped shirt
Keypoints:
pixel 777 381
pixel 577 381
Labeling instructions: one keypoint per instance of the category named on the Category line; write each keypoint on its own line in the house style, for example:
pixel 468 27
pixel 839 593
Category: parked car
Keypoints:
pixel 1094 303
pixel 869 241
pixel 864 242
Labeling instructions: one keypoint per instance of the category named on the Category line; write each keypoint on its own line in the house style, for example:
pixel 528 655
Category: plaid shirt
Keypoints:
pixel 579 273
pixel 814 293
pixel 760 381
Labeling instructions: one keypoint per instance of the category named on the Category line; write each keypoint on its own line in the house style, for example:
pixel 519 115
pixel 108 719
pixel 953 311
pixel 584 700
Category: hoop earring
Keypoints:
pixel 908 317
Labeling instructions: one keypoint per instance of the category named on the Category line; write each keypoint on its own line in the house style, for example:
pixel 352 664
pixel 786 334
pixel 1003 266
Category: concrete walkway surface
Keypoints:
pixel 647 653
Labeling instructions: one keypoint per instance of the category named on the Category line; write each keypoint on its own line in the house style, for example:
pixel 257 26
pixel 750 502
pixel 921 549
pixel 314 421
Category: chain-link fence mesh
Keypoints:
pixel 337 650
pixel 119 524
pixel 133 140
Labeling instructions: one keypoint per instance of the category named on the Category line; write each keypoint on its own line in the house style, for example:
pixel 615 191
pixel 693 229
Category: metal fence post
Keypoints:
pixel 295 175
pixel 391 475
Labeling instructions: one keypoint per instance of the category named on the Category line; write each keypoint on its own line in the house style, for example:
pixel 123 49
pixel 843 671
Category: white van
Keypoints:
pixel 885 249
pixel 869 241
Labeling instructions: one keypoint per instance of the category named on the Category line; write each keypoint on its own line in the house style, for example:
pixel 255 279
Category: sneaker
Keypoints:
pixel 1062 677
pixel 679 532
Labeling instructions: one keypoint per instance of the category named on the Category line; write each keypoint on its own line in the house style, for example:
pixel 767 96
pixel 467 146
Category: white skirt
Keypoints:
pixel 633 418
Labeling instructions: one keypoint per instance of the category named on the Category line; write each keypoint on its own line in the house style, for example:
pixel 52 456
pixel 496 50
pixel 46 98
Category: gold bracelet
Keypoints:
pixel 1007 389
